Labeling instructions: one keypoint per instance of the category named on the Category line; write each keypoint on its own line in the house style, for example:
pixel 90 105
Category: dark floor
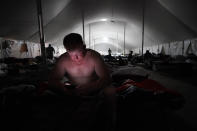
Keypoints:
pixel 186 84
pixel 49 114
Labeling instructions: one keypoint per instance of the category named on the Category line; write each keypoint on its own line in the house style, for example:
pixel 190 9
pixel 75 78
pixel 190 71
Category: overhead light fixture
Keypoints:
pixel 105 39
pixel 104 19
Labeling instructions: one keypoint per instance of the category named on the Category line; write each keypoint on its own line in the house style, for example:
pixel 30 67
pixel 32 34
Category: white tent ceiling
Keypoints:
pixel 105 20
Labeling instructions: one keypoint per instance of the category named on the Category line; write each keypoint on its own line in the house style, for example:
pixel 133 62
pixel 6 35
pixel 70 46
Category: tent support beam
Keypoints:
pixel 83 25
pixel 89 35
pixel 41 31
pixel 124 37
pixel 143 13
pixel 183 47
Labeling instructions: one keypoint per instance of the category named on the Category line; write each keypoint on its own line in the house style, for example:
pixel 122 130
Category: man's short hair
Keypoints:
pixel 73 41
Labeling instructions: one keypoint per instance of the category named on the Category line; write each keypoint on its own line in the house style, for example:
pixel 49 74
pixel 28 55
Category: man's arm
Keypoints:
pixel 53 50
pixel 56 76
pixel 103 74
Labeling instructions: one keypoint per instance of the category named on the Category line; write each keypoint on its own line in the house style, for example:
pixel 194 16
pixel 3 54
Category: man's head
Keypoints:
pixel 147 51
pixel 75 47
pixel 73 41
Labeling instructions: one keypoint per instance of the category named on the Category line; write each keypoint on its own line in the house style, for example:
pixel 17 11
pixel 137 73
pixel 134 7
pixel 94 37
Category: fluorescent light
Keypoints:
pixel 105 39
pixel 104 19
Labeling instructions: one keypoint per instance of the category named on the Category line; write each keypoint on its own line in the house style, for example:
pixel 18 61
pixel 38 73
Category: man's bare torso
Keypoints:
pixel 80 73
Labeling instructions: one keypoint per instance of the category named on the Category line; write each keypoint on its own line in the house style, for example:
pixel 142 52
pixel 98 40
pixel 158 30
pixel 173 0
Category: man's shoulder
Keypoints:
pixel 51 48
pixel 93 52
pixel 63 57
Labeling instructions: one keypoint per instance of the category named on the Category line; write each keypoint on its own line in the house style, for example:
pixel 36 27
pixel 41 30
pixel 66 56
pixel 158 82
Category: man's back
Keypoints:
pixel 50 49
pixel 49 52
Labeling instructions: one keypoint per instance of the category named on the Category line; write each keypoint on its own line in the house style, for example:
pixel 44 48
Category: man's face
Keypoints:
pixel 76 55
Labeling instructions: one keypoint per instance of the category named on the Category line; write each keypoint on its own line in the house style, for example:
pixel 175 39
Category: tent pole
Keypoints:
pixel 83 25
pixel 183 47
pixel 143 11
pixel 94 45
pixel 89 35
pixel 1 52
pixel 124 38
pixel 117 45
pixel 41 31
pixel 1 48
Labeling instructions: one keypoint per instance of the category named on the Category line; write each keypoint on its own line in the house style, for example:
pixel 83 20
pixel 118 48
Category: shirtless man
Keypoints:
pixel 85 69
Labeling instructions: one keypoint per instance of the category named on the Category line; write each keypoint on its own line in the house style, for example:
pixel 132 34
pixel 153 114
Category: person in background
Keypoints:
pixel 148 59
pixel 109 56
pixel 109 52
pixel 147 55
pixel 50 52
pixel 130 56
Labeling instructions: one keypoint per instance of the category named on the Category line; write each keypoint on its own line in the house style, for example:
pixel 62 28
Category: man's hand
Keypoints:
pixel 83 90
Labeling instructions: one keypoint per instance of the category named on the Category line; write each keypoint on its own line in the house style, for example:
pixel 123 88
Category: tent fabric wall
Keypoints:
pixel 136 51
pixel 166 48
pixel 5 48
pixel 176 48
pixel 194 46
pixel 190 47
pixel 155 49
pixel 59 50
pixel 173 48
pixel 186 45
pixel 164 20
pixel 1 50
pixel 33 49
pixel 15 50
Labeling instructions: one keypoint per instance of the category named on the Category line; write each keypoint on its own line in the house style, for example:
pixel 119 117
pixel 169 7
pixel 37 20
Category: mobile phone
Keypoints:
pixel 70 86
